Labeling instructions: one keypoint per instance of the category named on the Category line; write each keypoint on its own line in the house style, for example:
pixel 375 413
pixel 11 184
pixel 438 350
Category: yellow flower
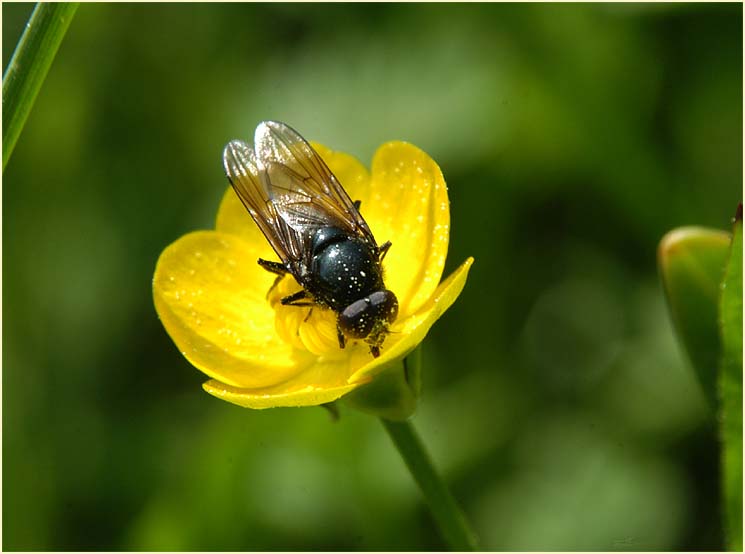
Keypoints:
pixel 211 294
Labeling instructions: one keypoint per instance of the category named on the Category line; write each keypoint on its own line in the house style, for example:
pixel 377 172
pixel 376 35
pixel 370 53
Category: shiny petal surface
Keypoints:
pixel 409 206
pixel 211 297
pixel 409 332
pixel 234 219
pixel 324 382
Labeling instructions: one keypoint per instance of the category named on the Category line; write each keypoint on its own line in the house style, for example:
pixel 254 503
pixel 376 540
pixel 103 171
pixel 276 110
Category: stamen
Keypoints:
pixel 315 333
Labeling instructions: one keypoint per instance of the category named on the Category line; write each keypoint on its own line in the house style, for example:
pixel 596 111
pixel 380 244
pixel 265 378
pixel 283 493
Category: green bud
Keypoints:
pixel 691 263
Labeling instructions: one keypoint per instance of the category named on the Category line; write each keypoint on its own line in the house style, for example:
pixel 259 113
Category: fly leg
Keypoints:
pixel 383 250
pixel 296 299
pixel 293 299
pixel 307 317
pixel 273 267
pixel 340 335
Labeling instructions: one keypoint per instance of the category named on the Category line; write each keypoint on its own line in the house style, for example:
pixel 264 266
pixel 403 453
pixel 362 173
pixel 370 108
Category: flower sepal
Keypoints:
pixel 394 392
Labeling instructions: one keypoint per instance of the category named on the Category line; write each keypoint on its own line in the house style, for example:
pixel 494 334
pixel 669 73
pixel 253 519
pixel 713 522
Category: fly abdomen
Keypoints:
pixel 343 269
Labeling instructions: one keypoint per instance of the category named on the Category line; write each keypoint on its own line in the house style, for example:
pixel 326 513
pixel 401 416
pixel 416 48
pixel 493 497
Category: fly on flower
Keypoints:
pixel 316 230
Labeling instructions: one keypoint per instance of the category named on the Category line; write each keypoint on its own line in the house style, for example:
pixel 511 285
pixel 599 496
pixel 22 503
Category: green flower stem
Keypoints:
pixel 29 66
pixel 448 516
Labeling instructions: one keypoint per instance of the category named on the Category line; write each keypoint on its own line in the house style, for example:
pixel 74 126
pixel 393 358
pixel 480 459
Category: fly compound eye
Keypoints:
pixel 357 319
pixel 361 317
pixel 385 304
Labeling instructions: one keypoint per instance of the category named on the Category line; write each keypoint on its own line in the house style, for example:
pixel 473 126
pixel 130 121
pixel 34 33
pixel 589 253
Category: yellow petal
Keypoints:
pixel 324 382
pixel 409 206
pixel 234 219
pixel 408 333
pixel 211 297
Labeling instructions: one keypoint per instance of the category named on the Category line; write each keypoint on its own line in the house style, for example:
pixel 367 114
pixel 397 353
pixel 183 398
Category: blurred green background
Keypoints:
pixel 556 401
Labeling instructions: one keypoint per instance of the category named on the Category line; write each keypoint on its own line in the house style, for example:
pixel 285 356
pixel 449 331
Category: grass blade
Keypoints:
pixel 29 65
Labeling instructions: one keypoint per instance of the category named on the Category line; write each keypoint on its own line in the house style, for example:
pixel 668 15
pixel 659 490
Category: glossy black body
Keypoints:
pixel 343 269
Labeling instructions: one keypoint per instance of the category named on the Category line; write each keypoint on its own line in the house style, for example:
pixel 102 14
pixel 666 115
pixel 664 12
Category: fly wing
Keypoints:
pixel 239 161
pixel 301 186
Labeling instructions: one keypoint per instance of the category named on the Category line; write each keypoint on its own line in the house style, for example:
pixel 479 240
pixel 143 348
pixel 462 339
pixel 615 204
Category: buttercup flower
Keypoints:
pixel 214 300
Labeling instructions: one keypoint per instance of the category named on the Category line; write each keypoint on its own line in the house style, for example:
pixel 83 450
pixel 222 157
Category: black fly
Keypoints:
pixel 315 229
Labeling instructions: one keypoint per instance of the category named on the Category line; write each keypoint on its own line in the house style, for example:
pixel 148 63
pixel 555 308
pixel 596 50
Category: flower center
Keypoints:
pixel 311 328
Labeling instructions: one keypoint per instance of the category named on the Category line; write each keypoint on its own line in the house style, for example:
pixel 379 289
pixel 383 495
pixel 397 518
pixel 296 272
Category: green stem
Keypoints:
pixel 29 66
pixel 448 516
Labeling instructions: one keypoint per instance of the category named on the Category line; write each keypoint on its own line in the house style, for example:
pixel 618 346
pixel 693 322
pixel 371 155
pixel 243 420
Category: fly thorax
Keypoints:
pixel 345 270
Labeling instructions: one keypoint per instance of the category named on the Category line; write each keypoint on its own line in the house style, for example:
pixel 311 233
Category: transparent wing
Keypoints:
pixel 240 166
pixel 301 186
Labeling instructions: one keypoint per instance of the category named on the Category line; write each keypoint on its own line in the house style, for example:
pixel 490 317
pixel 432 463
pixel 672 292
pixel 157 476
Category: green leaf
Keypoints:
pixel 691 263
pixel 29 65
pixel 730 390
